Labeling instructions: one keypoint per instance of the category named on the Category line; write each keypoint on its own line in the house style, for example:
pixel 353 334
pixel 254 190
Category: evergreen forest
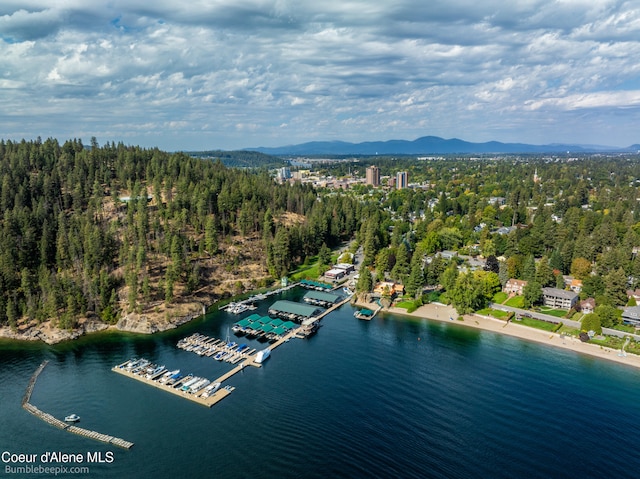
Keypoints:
pixel 100 231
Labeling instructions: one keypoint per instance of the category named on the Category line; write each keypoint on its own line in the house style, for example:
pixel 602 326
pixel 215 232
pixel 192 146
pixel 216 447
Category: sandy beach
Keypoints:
pixel 441 312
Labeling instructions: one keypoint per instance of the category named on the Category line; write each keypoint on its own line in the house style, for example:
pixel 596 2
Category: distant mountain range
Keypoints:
pixel 432 145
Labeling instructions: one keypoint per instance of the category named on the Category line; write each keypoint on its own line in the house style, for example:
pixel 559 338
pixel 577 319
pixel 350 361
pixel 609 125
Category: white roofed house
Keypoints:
pixel 559 298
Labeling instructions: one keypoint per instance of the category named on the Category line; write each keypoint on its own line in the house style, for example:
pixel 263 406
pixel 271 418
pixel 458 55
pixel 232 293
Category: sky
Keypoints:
pixel 228 74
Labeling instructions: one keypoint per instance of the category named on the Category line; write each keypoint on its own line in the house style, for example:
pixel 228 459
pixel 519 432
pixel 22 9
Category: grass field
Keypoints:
pixel 536 323
pixel 493 312
pixel 616 343
pixel 308 271
pixel 516 302
pixel 500 297
pixel 558 313
pixel 404 304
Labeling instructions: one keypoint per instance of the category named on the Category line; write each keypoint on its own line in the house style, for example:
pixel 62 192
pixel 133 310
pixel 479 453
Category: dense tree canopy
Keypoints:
pixel 84 229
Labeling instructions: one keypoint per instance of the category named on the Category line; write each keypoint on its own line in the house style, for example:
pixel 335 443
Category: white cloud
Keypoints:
pixel 331 70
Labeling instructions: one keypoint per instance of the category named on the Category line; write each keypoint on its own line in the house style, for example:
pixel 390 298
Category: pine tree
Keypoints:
pixel 365 281
pixel 415 281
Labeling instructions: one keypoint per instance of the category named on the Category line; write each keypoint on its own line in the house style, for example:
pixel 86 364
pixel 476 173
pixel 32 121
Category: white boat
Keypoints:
pixel 262 355
pixel 210 389
pixel 72 418
pixel 187 385
pixel 168 375
pixel 199 385
pixel 155 372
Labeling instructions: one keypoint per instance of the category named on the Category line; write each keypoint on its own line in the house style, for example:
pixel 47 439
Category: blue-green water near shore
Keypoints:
pixel 393 397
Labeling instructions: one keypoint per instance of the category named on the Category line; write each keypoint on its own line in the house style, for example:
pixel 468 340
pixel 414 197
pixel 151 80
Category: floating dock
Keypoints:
pixel 216 397
pixel 366 314
pixel 48 418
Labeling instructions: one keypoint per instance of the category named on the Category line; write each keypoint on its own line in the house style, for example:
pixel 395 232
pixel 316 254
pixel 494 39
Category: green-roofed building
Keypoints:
pixel 266 328
pixel 276 322
pixel 289 325
pixel 263 319
pixel 293 311
pixel 279 330
pixel 321 298
pixel 244 322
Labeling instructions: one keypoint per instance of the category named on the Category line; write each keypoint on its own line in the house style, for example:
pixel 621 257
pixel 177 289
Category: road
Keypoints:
pixel 554 319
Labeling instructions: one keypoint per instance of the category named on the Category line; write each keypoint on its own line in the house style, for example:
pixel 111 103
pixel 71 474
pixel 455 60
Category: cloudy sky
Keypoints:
pixel 205 74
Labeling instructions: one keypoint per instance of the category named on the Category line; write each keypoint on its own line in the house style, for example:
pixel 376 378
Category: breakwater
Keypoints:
pixel 49 419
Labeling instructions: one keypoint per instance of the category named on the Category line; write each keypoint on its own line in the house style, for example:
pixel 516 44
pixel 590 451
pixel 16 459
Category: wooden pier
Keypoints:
pixel 49 419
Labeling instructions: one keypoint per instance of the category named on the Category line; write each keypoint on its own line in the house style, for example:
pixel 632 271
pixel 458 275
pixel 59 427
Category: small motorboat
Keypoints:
pixel 72 418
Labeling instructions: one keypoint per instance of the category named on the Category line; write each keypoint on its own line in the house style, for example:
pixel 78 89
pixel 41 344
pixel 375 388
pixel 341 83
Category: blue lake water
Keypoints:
pixel 394 397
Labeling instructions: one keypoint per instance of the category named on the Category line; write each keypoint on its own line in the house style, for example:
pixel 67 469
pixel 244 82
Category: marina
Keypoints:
pixel 206 392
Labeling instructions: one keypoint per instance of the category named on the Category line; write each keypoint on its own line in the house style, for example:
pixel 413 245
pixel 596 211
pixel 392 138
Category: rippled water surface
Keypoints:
pixel 393 397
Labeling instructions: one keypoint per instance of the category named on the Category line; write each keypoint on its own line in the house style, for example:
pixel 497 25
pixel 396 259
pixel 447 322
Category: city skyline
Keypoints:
pixel 228 75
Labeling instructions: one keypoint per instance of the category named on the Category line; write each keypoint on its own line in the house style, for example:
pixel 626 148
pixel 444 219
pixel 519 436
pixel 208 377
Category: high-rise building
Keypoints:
pixel 373 175
pixel 402 180
pixel 284 173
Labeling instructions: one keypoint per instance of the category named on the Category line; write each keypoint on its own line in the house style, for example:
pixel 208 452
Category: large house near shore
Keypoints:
pixel 388 287
pixel 559 298
pixel 631 316
pixel 514 286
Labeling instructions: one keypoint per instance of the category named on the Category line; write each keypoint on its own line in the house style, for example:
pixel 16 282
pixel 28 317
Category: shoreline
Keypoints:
pixel 441 312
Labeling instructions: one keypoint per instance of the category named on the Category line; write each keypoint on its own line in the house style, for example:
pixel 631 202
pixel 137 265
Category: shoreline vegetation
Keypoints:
pixel 442 312
pixel 431 311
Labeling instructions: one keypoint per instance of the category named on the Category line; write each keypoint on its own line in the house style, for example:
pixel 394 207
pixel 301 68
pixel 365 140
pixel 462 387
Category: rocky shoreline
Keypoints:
pixel 131 323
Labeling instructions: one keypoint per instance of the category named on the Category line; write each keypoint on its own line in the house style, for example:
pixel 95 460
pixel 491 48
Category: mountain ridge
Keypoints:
pixel 433 145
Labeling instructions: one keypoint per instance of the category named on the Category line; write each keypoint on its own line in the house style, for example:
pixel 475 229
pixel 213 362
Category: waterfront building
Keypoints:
pixel 559 298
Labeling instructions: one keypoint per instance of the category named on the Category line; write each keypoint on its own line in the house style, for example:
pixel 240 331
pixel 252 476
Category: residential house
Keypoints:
pixel 576 285
pixel 514 286
pixel 634 294
pixel 390 286
pixel 559 298
pixel 631 316
pixel 587 306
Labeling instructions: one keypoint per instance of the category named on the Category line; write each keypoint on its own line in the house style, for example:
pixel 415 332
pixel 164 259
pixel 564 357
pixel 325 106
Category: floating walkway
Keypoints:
pixel 48 418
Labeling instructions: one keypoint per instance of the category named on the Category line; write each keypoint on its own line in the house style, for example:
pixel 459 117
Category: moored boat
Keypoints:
pixel 210 389
pixel 72 418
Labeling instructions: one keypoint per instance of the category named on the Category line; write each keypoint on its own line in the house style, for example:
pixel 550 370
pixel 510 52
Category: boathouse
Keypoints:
pixel 293 311
pixel 321 298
